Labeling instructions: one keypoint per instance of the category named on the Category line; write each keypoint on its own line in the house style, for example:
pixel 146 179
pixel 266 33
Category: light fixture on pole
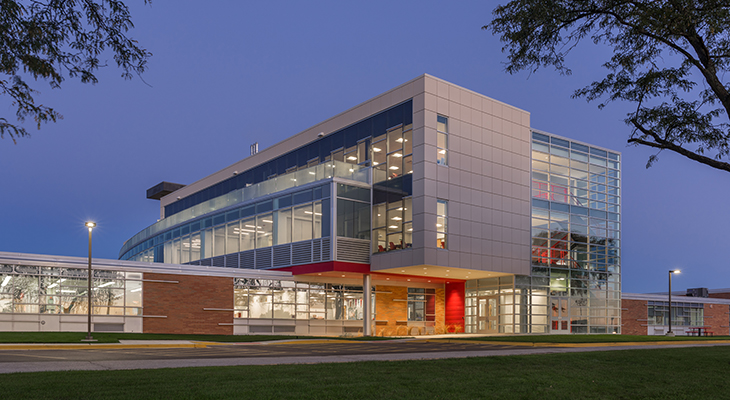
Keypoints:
pixel 88 338
pixel 671 271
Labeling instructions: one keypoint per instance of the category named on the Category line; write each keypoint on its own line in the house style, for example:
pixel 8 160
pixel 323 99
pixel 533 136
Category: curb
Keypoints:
pixel 60 346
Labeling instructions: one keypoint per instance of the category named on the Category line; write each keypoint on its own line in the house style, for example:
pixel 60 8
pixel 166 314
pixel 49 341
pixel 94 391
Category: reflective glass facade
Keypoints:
pixel 351 145
pixel 576 233
pixel 28 289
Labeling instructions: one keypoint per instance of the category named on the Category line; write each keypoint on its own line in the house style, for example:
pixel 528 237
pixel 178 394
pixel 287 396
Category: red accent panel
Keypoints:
pixel 339 266
pixel 454 307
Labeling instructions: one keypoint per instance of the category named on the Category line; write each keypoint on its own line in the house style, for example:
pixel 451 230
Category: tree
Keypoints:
pixel 55 39
pixel 669 59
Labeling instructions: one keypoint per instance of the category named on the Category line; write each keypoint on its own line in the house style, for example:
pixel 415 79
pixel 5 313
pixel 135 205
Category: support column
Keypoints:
pixel 367 296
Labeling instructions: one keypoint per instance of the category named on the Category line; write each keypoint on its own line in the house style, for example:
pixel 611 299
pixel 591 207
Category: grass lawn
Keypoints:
pixel 591 338
pixel 75 337
pixel 691 373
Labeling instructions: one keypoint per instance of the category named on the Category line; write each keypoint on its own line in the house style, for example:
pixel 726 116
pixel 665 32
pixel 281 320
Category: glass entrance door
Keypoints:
pixel 487 314
pixel 560 315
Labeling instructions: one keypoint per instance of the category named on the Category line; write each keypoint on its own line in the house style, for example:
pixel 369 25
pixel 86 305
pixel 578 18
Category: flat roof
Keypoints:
pixel 137 266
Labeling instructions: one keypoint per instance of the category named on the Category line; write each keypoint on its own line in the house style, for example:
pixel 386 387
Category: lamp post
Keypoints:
pixel 671 271
pixel 88 337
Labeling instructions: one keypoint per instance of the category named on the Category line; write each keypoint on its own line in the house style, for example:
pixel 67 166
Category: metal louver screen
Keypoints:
pixel 353 250
pixel 247 259
pixel 282 255
pixel 301 252
pixel 263 258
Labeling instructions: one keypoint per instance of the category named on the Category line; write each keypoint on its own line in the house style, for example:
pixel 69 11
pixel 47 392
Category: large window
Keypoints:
pixel 441 223
pixel 683 314
pixel 260 298
pixel 393 224
pixel 421 304
pixel 53 290
pixel 442 140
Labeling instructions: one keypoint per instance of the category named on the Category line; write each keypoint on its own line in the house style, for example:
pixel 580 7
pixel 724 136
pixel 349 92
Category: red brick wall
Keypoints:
pixel 717 318
pixel 455 303
pixel 725 295
pixel 634 316
pixel 183 304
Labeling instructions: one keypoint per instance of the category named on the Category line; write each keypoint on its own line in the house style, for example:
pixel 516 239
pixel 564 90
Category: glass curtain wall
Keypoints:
pixel 683 314
pixel 54 290
pixel 303 215
pixel 576 233
pixel 508 304
pixel 257 298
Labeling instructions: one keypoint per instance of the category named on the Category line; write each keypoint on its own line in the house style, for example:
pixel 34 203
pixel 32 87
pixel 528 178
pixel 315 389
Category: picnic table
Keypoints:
pixel 700 331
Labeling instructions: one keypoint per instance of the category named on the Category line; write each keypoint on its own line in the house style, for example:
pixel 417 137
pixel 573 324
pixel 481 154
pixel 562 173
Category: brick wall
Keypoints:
pixel 183 304
pixel 388 310
pixel 725 295
pixel 634 316
pixel 717 318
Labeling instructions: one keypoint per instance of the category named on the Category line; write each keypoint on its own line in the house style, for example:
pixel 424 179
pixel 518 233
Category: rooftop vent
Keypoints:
pixel 254 148
pixel 162 189
pixel 698 292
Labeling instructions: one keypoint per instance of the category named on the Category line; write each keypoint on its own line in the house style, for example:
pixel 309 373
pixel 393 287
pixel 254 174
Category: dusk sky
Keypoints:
pixel 226 74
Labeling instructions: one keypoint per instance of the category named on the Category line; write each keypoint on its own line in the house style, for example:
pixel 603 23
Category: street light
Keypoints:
pixel 88 338
pixel 671 271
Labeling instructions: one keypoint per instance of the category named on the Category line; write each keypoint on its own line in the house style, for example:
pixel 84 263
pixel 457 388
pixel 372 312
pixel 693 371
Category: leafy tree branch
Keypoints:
pixel 669 58
pixel 53 40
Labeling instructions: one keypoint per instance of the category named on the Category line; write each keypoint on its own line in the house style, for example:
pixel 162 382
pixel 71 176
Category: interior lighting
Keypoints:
pixel 136 290
pixel 438 225
pixel 268 221
pixel 311 173
pixel 393 167
pixel 442 151
pixel 393 227
pixel 5 281
pixel 399 140
pixel 397 155
pixel 397 218
pixel 376 149
pixel 352 158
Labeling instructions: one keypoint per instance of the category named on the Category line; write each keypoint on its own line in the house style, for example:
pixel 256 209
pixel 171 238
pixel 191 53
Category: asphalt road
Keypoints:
pixel 291 349
pixel 100 358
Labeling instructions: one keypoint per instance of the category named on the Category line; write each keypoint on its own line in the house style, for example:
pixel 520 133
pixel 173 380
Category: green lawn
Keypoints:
pixel 75 337
pixel 592 338
pixel 691 373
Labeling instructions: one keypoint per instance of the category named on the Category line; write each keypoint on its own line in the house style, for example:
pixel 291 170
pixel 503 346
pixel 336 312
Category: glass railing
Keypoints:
pixel 328 170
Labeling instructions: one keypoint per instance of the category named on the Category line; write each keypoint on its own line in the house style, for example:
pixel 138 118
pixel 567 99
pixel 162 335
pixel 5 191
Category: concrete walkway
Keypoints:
pixel 506 350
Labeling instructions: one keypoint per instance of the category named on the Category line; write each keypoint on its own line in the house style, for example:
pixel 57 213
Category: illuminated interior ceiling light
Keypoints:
pixel 308 212
pixel 343 276
pixel 67 291
pixel 442 151
pixel 410 172
pixel 294 179
pixel 311 173
pixel 317 213
pixel 376 149
pixel 394 167
pixel 397 218
pixel 399 208
pixel 6 280
pixel 268 221
pixel 399 140
pixel 106 284
pixel 410 229
pixel 447 270
pixel 397 155
pixel 409 280
pixel 375 163
pixel 352 170
pixel 393 227
pixel 352 158
pixel 439 225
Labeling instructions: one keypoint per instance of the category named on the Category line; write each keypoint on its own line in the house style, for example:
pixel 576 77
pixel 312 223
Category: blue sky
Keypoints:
pixel 228 74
